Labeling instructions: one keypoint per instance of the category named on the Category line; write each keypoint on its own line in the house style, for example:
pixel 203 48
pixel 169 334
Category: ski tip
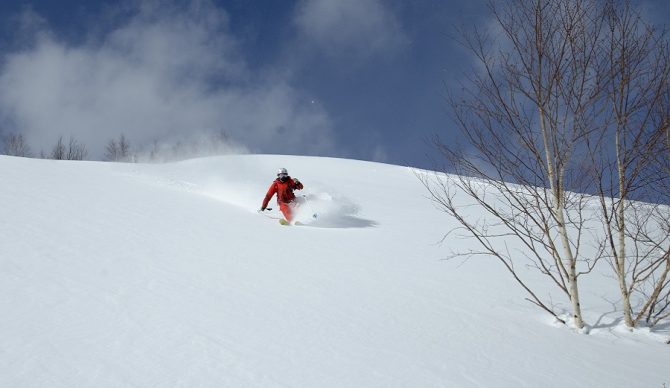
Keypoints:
pixel 284 222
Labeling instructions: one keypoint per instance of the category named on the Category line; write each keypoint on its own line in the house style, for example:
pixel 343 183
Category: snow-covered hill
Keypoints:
pixel 134 275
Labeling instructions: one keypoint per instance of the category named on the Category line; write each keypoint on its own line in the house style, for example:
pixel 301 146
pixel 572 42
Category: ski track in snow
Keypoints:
pixel 130 275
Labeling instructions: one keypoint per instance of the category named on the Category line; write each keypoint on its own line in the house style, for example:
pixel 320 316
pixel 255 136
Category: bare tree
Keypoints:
pixel 72 151
pixel 16 145
pixel 573 100
pixel 648 227
pixel 525 115
pixel 112 151
pixel 58 152
pixel 118 150
pixel 124 148
pixel 634 73
pixel 76 150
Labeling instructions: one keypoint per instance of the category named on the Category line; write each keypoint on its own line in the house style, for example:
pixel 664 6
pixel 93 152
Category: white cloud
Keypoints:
pixel 358 28
pixel 164 72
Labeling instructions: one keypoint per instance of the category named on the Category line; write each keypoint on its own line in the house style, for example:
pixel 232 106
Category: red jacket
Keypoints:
pixel 284 191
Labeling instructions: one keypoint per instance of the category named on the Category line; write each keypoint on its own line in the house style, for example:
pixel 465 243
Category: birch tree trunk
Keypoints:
pixel 635 72
pixel 522 115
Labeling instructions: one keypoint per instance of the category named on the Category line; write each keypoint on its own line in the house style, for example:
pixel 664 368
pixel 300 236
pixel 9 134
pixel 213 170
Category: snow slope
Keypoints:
pixel 134 275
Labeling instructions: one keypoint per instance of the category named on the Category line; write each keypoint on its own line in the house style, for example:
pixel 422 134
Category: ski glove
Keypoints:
pixel 297 182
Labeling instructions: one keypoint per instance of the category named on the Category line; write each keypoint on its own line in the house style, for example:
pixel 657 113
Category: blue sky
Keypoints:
pixel 360 79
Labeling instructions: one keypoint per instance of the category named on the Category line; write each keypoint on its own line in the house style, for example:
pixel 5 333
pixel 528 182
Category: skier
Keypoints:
pixel 283 186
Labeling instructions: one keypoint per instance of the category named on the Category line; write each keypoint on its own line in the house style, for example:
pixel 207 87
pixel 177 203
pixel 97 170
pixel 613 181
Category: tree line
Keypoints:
pixel 120 149
pixel 70 149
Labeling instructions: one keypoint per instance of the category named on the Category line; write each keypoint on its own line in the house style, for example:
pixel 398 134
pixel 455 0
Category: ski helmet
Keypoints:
pixel 282 171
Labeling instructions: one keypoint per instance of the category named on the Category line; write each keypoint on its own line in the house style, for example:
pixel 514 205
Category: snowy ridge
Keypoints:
pixel 115 275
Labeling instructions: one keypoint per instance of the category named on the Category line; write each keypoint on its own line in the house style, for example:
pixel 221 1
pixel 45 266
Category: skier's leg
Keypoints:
pixel 294 205
pixel 286 210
